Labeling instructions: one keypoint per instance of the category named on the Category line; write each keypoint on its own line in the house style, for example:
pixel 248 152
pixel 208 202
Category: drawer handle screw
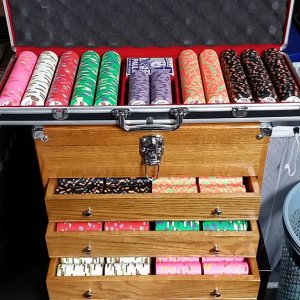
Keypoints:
pixel 88 213
pixel 216 293
pixel 87 250
pixel 217 212
pixel 215 249
pixel 88 294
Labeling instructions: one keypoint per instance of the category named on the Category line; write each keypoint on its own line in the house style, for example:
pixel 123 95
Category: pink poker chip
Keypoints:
pixel 225 268
pixel 178 268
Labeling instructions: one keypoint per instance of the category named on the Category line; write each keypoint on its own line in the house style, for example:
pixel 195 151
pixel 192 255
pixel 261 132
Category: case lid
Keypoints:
pixel 144 23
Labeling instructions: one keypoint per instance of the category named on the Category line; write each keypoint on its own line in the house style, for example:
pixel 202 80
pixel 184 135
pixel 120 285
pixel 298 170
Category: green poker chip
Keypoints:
pixel 225 225
pixel 86 80
pixel 177 226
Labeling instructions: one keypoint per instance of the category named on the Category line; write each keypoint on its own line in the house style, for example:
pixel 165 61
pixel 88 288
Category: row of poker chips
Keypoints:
pixel 236 225
pixel 237 79
pixel 154 89
pixel 210 184
pixel 48 80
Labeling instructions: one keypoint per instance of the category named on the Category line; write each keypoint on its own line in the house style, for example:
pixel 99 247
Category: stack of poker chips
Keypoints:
pixel 80 186
pixel 127 185
pixel 174 185
pixel 126 226
pixel 86 80
pixel 238 225
pixel 156 90
pixel 285 85
pixel 18 79
pixel 225 268
pixel 108 82
pixel 79 226
pixel 258 77
pixel 39 84
pixel 236 81
pixel 61 88
pixel 177 225
pixel 217 184
pixel 191 80
pixel 213 80
pixel 122 266
pixel 81 269
pixel 178 266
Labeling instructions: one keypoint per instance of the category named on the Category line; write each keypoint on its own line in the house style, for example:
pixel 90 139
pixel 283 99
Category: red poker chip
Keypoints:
pixel 79 226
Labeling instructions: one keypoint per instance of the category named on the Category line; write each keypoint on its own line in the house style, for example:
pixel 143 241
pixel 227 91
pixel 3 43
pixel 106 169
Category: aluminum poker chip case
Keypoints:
pixel 158 28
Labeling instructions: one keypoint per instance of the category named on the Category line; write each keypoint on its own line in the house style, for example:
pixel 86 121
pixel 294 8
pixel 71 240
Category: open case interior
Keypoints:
pixel 149 28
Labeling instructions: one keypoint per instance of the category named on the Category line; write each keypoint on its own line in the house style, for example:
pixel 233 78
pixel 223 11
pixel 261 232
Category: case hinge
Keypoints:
pixel 265 130
pixel 240 112
pixel 60 114
pixel 38 133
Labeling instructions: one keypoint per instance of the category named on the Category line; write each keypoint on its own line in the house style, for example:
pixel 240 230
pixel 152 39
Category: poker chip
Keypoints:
pixel 127 181
pixel 225 225
pixel 127 260
pixel 86 80
pixel 139 89
pixel 222 259
pixel 144 189
pixel 160 87
pixel 190 76
pixel 108 81
pixel 215 188
pixel 186 189
pixel 225 268
pixel 77 182
pixel 182 259
pixel 281 77
pixel 118 269
pixel 177 225
pixel 39 84
pixel 18 79
pixel 78 226
pixel 81 260
pixel 126 226
pixel 61 88
pixel 178 268
pixel 219 180
pixel 62 190
pixel 178 181
pixel 79 270
pixel 235 78
pixel 213 80
pixel 258 78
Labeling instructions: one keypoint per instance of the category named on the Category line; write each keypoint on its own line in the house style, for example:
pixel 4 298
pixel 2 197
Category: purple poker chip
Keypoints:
pixel 161 90
pixel 139 89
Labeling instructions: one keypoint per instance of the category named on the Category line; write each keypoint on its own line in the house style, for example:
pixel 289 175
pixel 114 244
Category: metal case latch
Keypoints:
pixel 240 112
pixel 151 150
pixel 60 114
pixel 265 130
pixel 38 133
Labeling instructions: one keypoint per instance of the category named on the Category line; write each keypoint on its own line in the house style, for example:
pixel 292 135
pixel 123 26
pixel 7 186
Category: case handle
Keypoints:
pixel 178 113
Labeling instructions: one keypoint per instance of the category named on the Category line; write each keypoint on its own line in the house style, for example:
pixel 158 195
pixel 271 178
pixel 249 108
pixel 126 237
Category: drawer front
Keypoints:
pixel 154 206
pixel 152 243
pixel 154 287
pixel 193 150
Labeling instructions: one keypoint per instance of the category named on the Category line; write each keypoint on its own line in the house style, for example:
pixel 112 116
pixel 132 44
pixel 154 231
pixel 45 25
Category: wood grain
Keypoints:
pixel 154 286
pixel 152 243
pixel 193 150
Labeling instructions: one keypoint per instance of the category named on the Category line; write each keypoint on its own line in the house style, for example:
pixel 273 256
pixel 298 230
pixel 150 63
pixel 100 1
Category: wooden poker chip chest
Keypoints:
pixel 201 140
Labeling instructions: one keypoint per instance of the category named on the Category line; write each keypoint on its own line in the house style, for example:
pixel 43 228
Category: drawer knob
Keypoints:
pixel 217 212
pixel 87 250
pixel 215 249
pixel 88 213
pixel 216 293
pixel 88 294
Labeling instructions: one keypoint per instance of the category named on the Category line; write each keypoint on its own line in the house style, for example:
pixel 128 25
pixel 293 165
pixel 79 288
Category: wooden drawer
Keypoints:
pixel 192 150
pixel 154 286
pixel 152 243
pixel 153 206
